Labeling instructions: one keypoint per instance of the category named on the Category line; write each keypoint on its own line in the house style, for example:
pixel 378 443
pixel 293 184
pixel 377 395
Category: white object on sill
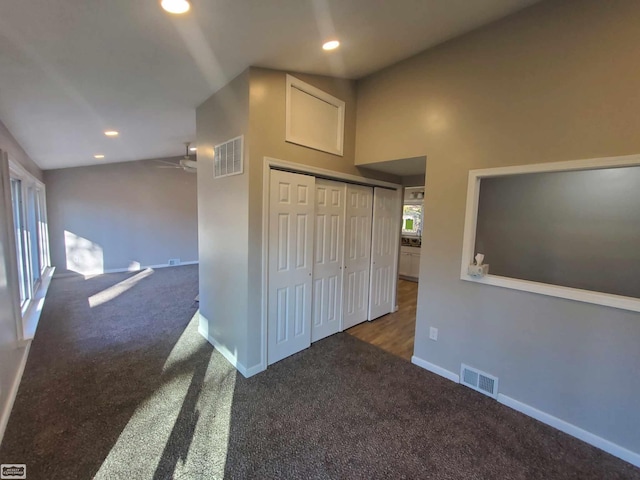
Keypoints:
pixel 478 271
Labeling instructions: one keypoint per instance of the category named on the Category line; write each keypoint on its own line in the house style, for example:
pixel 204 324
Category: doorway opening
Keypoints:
pixel 395 332
pixel 331 251
pixel 307 261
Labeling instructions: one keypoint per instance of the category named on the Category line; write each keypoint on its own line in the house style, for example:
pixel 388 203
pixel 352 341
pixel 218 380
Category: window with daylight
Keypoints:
pixel 28 205
pixel 412 220
pixel 21 251
pixel 43 231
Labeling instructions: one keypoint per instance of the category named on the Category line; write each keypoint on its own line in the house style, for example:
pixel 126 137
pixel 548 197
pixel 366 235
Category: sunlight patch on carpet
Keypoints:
pixel 182 430
pixel 118 289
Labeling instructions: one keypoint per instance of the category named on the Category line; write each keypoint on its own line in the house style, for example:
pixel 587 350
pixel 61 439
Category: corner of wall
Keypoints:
pixel 223 223
pixel 9 144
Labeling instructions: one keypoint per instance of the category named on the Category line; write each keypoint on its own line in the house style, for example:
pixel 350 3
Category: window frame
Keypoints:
pixel 18 211
pixel 43 230
pixel 418 233
pixel 470 224
pixel 32 254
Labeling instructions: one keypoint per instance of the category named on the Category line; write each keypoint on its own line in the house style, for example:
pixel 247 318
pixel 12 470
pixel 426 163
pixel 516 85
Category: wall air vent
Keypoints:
pixel 479 381
pixel 228 158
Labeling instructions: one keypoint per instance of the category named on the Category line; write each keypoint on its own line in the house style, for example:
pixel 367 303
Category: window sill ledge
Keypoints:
pixel 587 296
pixel 31 316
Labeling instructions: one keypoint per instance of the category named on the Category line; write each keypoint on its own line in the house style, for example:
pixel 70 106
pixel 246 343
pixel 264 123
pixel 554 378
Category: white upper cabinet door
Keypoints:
pixel 357 261
pixel 291 222
pixel 328 259
pixel 384 251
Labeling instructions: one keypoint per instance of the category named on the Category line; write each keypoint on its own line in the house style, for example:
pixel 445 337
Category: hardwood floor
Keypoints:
pixel 393 332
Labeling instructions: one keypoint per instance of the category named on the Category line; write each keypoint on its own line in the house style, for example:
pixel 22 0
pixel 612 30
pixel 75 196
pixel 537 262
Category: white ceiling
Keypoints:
pixel 69 69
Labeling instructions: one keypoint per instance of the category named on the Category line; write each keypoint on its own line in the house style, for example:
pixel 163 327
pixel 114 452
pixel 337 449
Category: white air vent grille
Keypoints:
pixel 228 158
pixel 479 381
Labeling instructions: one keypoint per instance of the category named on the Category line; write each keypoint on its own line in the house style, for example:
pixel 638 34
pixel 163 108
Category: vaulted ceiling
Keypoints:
pixel 71 69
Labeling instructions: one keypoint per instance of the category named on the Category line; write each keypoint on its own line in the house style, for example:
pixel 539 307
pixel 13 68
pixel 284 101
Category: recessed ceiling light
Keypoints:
pixel 111 133
pixel 99 156
pixel 176 6
pixel 331 45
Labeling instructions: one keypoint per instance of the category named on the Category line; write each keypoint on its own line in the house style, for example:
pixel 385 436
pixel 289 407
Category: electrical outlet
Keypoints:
pixel 433 333
pixel 174 261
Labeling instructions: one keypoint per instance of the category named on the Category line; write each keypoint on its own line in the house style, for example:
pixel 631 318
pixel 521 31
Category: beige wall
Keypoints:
pixel 557 81
pixel 230 209
pixel 268 94
pixel 125 212
pixel 267 139
pixel 223 216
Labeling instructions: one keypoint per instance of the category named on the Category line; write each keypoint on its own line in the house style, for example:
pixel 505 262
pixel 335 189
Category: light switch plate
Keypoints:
pixel 433 333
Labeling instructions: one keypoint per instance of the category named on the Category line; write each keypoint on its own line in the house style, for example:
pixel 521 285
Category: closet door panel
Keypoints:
pixel 357 263
pixel 328 258
pixel 384 251
pixel 291 225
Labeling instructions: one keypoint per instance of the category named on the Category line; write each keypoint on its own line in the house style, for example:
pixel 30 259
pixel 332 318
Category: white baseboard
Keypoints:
pixel 251 371
pixel 122 270
pixel 577 432
pixel 454 377
pixel 13 391
pixel 162 265
pixel 231 358
pixel 568 428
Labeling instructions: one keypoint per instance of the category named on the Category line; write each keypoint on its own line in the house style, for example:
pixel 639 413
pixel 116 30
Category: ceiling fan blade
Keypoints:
pixel 165 162
pixel 188 163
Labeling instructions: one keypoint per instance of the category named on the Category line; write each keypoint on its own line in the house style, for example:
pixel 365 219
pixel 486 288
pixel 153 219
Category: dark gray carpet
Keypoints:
pixel 120 385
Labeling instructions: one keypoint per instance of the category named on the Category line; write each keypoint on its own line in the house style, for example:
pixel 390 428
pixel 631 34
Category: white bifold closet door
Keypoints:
pixel 357 258
pixel 291 223
pixel 326 316
pixel 384 251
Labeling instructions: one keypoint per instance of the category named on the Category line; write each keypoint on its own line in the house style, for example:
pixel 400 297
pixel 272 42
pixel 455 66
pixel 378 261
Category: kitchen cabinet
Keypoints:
pixel 405 264
pixel 409 266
